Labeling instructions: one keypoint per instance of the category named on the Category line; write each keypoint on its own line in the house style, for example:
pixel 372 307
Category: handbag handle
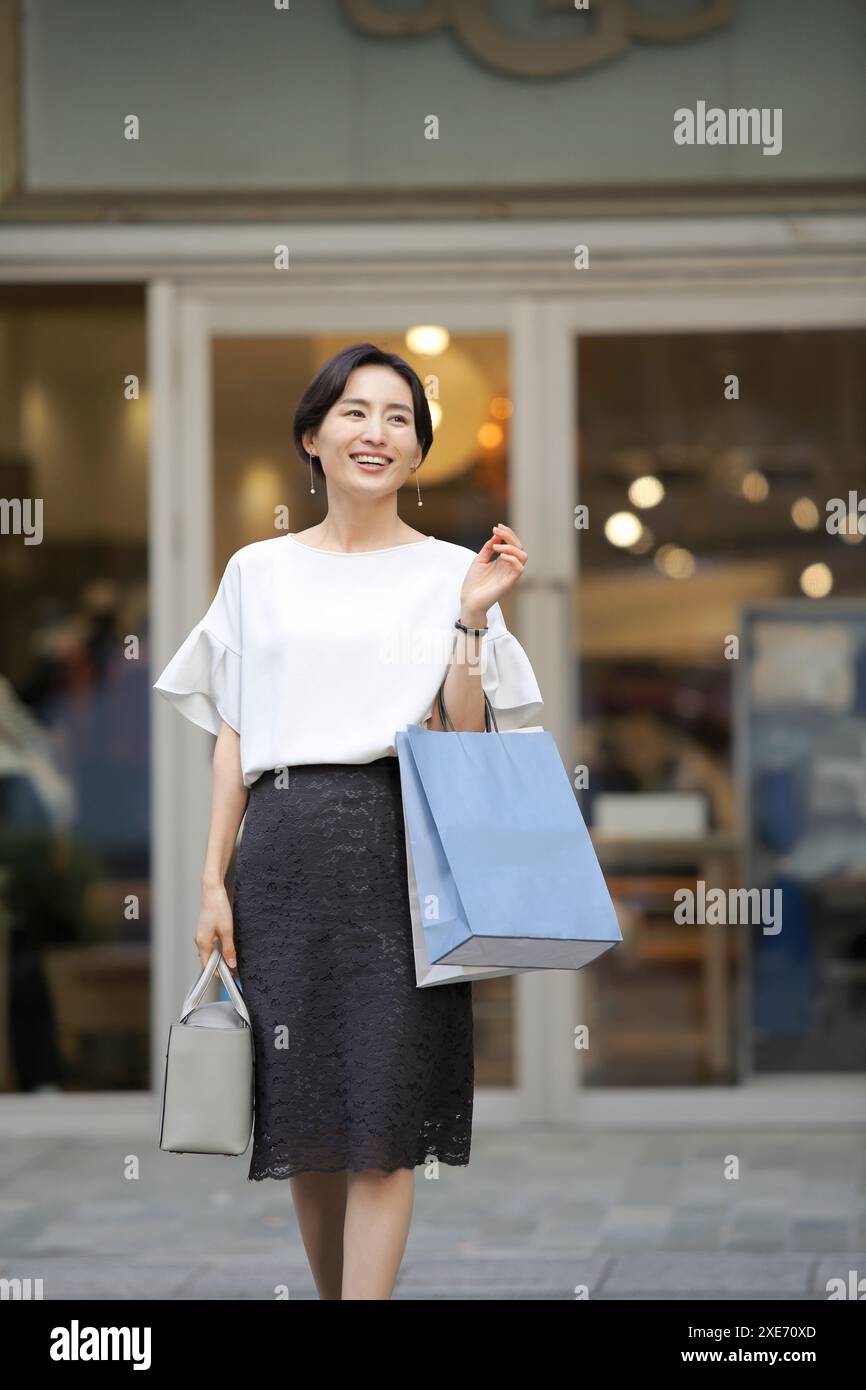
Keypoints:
pixel 490 724
pixel 215 962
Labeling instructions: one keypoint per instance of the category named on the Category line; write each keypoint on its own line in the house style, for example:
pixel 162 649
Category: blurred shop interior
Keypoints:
pixel 733 770
pixel 74 692
pixel 708 520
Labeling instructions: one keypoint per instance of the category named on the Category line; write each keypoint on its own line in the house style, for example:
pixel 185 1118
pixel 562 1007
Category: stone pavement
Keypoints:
pixel 631 1215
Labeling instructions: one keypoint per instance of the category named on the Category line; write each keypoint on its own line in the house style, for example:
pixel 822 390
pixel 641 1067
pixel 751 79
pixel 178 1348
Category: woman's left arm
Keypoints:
pixel 496 569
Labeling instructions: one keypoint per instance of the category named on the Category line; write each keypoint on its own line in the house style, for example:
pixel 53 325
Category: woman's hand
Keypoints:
pixel 496 568
pixel 215 924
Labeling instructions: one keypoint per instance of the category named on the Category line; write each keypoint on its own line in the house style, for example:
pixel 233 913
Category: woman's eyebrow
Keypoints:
pixel 392 405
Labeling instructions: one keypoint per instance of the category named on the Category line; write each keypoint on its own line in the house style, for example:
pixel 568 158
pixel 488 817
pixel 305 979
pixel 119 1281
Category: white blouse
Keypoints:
pixel 316 656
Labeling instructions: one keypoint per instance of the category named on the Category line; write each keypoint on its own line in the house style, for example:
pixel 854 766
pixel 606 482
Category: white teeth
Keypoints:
pixel 370 458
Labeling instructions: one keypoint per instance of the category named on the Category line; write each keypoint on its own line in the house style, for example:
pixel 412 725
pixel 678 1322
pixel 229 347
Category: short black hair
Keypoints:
pixel 329 383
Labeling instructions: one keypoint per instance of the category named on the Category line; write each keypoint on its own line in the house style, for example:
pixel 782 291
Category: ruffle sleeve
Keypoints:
pixel 203 678
pixel 506 676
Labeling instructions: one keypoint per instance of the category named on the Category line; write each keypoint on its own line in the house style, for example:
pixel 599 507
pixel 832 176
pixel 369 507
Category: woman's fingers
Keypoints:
pixel 221 937
pixel 507 541
pixel 228 949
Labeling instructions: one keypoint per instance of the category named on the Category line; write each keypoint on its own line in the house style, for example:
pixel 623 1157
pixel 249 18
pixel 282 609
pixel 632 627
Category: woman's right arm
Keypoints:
pixel 229 799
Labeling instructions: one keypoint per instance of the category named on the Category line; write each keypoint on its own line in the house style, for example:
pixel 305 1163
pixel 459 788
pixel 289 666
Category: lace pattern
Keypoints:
pixel 355 1066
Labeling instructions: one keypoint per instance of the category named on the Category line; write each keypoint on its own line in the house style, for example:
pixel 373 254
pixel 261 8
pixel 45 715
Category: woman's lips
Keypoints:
pixel 367 466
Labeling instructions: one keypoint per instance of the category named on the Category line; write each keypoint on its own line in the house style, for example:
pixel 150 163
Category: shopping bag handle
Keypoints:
pixel 215 962
pixel 490 724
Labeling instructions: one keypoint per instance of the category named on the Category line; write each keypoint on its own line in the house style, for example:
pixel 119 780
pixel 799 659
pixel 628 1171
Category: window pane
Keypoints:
pixel 706 494
pixel 74 690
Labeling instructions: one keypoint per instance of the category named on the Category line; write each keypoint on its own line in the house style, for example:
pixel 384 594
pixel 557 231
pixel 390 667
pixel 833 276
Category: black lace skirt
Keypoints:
pixel 355 1067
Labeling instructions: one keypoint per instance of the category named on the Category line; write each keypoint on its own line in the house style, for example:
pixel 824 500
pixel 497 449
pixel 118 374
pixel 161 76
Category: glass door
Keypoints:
pixel 257 478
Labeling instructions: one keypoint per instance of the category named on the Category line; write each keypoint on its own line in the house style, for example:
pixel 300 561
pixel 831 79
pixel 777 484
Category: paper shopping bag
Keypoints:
pixel 503 876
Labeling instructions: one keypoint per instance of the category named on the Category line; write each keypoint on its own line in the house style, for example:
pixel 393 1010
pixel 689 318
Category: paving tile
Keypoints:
pixel 83 1278
pixel 739 1274
pixel 555 1274
pixel 849 1265
pixel 231 1280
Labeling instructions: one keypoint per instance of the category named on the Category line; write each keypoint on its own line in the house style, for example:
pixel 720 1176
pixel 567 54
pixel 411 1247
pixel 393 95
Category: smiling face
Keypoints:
pixel 367 440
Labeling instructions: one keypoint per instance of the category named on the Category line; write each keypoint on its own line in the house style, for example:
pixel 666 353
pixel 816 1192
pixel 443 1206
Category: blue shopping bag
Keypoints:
pixel 503 876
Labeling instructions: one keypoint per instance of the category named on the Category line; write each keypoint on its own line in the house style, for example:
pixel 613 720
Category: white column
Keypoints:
pixel 180 584
pixel 543 488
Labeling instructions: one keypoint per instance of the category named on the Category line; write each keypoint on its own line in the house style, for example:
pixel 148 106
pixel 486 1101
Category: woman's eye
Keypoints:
pixel 402 418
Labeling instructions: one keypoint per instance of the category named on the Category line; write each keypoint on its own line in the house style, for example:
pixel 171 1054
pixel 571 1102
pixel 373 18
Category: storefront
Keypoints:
pixel 565 383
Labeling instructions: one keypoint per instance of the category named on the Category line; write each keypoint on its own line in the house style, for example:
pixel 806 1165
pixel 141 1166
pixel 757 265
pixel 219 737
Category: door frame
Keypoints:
pixel 183 322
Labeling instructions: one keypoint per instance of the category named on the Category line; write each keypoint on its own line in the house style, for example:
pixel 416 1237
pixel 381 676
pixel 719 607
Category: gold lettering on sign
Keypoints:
pixel 615 24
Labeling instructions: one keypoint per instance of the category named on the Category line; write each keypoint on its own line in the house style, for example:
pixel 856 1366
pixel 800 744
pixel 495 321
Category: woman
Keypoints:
pixel 317 648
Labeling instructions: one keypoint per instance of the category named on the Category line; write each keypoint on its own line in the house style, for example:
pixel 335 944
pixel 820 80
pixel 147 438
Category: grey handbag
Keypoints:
pixel 208 1093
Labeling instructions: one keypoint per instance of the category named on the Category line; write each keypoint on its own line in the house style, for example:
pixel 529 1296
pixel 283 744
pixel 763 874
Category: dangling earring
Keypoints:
pixel 417 484
pixel 312 484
